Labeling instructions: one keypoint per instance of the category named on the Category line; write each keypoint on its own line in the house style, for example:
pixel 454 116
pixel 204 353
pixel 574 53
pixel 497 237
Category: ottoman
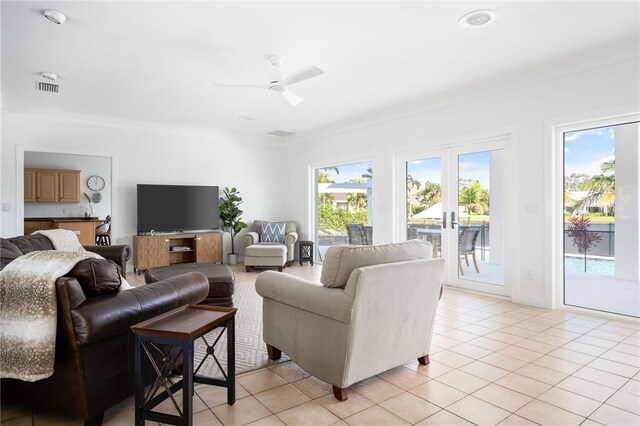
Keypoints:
pixel 265 254
pixel 220 277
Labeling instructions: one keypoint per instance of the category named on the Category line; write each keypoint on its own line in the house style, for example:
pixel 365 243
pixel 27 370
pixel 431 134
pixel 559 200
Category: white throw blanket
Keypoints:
pixel 62 239
pixel 28 311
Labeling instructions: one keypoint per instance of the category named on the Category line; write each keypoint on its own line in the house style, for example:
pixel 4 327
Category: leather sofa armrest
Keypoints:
pixel 306 295
pixel 251 238
pixel 99 318
pixel 119 254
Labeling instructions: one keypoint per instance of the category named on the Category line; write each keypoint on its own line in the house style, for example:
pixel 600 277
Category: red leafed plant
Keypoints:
pixel 579 232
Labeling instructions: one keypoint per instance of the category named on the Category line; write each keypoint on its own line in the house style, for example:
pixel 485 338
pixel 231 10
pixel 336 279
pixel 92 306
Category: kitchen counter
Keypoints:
pixel 84 227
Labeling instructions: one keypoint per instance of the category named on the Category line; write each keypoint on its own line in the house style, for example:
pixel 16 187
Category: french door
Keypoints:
pixel 453 197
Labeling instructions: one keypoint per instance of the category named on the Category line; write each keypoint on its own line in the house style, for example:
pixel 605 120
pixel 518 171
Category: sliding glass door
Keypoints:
pixel 600 218
pixel 344 201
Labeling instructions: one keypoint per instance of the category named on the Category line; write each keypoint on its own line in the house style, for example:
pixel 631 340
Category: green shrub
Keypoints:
pixel 332 218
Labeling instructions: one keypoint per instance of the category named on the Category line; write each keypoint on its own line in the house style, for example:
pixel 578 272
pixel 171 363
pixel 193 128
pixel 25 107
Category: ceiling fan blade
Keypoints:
pixel 253 86
pixel 294 99
pixel 301 75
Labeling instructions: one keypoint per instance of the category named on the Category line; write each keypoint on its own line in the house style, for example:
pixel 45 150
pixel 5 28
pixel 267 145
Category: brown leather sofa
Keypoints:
pixel 94 345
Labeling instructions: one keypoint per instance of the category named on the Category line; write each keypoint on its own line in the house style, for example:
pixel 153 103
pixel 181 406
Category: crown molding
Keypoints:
pixel 123 124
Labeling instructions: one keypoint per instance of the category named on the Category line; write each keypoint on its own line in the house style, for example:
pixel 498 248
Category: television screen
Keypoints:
pixel 177 208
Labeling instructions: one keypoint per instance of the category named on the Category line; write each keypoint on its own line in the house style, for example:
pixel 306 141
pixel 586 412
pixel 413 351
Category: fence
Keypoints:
pixel 605 247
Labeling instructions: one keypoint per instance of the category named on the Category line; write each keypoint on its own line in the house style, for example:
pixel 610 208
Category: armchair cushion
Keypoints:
pixel 272 232
pixel 340 261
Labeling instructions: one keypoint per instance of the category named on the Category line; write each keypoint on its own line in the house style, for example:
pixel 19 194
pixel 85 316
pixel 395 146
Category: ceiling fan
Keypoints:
pixel 280 83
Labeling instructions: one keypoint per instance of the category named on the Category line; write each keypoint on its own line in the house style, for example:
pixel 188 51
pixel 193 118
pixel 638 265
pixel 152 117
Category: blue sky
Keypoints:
pixel 474 166
pixel 586 150
pixel 348 172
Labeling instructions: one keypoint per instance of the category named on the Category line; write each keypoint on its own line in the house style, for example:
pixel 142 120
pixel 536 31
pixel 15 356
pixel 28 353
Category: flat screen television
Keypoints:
pixel 177 208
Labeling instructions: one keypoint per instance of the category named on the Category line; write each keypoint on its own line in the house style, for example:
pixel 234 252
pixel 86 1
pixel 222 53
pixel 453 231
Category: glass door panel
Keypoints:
pixel 480 195
pixel 424 211
pixel 601 250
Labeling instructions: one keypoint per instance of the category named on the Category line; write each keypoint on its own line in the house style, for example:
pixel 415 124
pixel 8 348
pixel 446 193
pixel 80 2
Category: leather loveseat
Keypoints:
pixel 94 345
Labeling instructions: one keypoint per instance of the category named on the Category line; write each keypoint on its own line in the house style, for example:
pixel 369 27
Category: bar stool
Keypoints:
pixel 103 233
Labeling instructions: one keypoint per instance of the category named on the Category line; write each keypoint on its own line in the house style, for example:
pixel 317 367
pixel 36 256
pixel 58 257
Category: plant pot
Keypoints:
pixel 232 258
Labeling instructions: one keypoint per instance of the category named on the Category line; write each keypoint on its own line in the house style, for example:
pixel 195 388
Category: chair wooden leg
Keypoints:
pixel 289 263
pixel 460 265
pixel 466 259
pixel 273 352
pixel 341 394
pixel 280 268
pixel 424 360
pixel 247 268
pixel 475 262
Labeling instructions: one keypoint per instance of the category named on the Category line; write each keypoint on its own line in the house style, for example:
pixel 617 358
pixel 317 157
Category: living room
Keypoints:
pixel 146 97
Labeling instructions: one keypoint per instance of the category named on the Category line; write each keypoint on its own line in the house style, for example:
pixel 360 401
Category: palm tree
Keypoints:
pixel 368 174
pixel 324 197
pixel 474 198
pixel 602 187
pixel 357 200
pixel 431 194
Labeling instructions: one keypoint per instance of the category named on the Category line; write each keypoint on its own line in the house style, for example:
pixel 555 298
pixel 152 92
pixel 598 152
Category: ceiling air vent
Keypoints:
pixel 281 133
pixel 46 87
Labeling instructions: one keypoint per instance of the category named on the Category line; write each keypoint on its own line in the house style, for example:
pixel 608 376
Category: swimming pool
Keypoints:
pixel 594 266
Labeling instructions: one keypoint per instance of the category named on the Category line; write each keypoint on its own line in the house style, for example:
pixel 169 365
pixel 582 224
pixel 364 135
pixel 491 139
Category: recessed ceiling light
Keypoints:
pixel 55 16
pixel 478 18
pixel 246 117
pixel 49 76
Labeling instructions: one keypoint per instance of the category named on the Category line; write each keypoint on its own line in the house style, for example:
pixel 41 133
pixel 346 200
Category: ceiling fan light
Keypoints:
pixel 55 16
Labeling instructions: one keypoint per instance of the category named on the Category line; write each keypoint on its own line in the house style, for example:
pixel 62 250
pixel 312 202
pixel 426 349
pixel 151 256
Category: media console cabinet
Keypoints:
pixel 151 251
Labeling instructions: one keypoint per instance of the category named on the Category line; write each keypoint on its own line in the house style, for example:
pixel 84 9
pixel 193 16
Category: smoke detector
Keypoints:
pixel 55 16
pixel 49 76
pixel 478 18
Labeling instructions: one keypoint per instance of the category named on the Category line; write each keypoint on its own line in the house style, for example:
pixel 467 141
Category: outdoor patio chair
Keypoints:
pixel 467 246
pixel 359 235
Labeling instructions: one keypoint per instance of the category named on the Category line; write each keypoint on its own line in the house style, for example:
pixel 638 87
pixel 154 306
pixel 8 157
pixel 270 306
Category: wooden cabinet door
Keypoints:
pixel 47 186
pixel 209 248
pixel 29 186
pixel 150 251
pixel 85 230
pixel 69 186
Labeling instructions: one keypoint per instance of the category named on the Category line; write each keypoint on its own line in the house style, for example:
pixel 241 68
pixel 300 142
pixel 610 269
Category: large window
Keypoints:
pixel 344 198
pixel 601 219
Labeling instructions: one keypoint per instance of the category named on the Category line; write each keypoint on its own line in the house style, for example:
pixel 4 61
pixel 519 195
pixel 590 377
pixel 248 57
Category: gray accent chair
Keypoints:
pixel 373 310
pixel 269 254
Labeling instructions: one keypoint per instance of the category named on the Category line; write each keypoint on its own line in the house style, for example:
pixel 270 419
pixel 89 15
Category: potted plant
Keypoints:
pixel 230 215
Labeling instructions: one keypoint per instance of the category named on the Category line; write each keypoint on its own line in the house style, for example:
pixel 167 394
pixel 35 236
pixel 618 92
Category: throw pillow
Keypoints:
pixel 97 276
pixel 8 252
pixel 272 232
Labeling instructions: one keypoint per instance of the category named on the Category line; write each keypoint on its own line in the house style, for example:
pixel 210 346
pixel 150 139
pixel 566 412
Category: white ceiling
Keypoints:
pixel 158 61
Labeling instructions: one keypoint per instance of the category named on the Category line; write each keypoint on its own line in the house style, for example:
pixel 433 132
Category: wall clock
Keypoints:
pixel 95 183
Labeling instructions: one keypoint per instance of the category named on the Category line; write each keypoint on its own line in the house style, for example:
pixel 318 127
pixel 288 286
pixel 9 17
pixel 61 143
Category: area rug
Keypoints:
pixel 251 352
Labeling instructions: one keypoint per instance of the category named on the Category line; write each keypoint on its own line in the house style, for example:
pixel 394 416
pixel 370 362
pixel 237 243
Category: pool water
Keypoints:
pixel 594 266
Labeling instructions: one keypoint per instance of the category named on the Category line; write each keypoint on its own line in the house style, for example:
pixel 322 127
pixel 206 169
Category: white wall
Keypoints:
pixel 143 155
pixel 88 166
pixel 521 112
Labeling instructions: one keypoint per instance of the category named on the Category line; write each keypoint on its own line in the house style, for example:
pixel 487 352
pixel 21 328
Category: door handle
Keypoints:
pixel 444 220
pixel 453 220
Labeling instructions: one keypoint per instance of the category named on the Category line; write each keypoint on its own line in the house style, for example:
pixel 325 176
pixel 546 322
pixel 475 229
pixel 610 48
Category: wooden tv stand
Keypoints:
pixel 150 251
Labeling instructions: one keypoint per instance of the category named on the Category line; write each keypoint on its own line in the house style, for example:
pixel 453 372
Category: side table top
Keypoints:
pixel 185 322
pixel 305 242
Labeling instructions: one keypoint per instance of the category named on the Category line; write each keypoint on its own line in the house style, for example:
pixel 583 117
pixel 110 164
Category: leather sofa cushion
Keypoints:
pixel 29 243
pixel 8 252
pixel 340 261
pixel 97 276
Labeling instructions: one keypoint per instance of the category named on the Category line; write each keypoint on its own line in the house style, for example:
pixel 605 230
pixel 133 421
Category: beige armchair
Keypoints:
pixel 373 310
pixel 259 252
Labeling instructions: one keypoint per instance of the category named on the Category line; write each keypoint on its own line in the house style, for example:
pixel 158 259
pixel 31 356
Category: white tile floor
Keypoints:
pixel 492 362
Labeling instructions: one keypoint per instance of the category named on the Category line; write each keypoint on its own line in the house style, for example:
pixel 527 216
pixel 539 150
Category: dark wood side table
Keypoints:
pixel 305 252
pixel 176 330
